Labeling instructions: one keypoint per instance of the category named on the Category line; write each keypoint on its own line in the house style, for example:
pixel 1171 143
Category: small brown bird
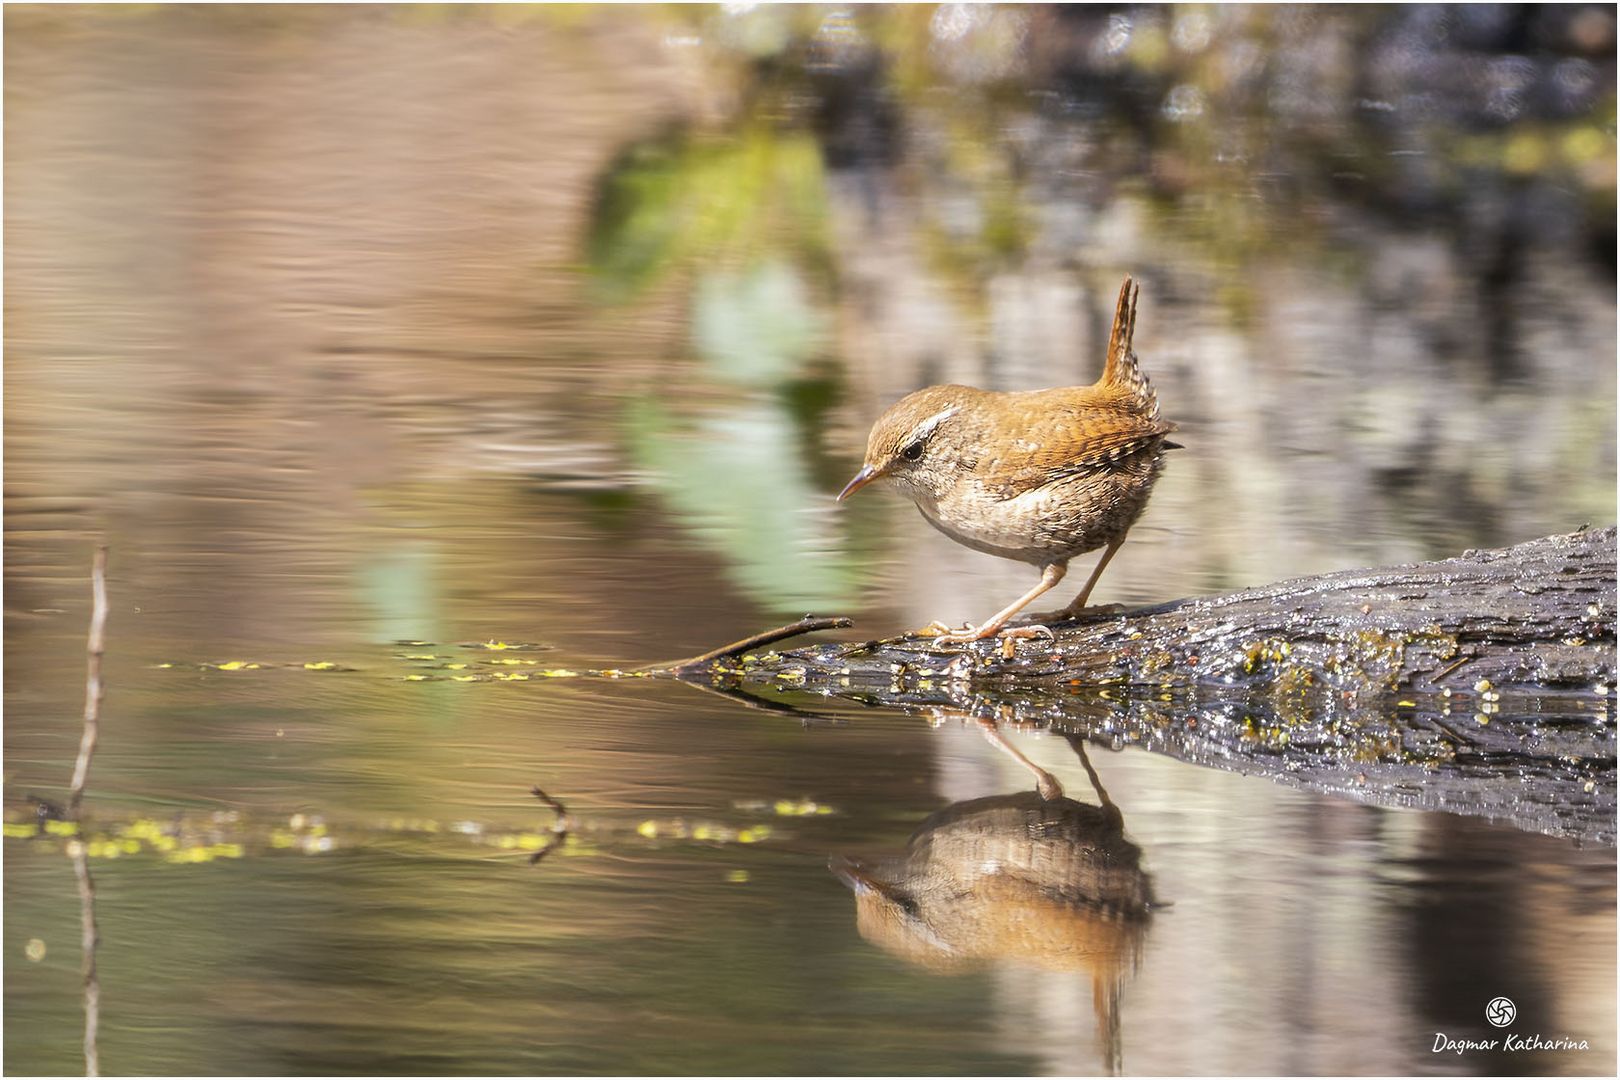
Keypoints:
pixel 1039 476
pixel 1034 879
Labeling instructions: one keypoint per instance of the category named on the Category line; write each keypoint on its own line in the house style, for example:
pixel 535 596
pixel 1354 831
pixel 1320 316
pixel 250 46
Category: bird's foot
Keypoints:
pixel 1048 786
pixel 1009 634
pixel 1028 630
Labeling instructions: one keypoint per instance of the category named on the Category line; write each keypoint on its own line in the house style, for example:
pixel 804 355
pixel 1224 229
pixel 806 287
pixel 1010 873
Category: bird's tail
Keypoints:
pixel 1120 373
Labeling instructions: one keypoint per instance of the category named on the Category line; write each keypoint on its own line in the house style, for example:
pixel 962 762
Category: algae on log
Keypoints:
pixel 1539 615
pixel 1482 684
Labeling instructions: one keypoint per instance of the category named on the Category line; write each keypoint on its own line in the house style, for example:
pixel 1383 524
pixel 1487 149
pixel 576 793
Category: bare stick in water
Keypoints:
pixel 808 624
pixel 93 689
pixel 559 828
pixel 89 938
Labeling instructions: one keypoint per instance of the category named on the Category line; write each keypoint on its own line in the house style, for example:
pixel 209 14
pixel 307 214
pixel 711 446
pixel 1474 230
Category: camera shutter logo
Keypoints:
pixel 1500 1012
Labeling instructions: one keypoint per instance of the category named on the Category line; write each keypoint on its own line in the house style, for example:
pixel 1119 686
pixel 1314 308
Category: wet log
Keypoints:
pixel 1481 684
pixel 1536 617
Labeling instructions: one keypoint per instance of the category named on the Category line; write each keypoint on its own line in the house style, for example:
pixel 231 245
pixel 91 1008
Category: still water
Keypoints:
pixel 369 339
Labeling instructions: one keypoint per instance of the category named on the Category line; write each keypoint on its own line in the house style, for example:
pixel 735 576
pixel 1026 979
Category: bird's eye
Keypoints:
pixel 913 451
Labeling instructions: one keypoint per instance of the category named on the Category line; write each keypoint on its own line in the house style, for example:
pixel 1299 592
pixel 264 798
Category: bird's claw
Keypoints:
pixel 945 636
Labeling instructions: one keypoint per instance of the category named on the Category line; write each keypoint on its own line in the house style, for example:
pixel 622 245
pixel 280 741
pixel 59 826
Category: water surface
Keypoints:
pixel 348 329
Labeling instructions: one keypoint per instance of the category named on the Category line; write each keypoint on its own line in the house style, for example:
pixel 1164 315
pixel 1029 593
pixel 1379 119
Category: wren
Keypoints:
pixel 1038 475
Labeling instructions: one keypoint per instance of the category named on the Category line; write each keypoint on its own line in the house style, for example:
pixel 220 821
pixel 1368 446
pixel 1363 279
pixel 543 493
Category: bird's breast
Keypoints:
pixel 1009 528
pixel 1046 523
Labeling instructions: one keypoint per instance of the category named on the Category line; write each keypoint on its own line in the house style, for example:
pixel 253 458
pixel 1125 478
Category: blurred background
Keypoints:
pixel 346 326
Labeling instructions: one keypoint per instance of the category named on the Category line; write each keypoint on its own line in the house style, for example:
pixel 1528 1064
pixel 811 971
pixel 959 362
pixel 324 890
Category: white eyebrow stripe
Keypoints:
pixel 927 427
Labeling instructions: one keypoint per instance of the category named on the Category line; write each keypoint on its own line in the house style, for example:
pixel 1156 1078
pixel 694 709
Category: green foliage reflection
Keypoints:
pixel 737 482
pixel 681 199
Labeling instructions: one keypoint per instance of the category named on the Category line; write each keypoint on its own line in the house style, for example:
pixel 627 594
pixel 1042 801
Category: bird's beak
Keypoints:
pixel 862 478
pixel 857 876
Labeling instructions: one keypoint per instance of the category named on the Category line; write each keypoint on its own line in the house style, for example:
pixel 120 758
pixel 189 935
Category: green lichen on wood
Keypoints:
pixel 1366 683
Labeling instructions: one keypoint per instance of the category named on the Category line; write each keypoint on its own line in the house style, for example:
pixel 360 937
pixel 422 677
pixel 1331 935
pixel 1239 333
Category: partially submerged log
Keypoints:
pixel 1537 616
pixel 1481 684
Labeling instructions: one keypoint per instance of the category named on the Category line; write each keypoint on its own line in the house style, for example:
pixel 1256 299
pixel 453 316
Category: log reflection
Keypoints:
pixel 1034 878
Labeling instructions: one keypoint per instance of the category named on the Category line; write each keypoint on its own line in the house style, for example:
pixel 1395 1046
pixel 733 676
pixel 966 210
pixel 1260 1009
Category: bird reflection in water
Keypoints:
pixel 1033 877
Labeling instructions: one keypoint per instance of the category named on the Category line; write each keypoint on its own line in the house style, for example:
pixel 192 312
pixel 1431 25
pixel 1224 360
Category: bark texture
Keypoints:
pixel 1480 684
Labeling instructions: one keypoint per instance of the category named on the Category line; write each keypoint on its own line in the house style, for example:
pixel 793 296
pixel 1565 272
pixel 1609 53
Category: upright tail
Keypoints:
pixel 1120 372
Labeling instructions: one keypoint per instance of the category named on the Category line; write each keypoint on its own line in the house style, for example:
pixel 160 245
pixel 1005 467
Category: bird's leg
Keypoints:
pixel 1078 744
pixel 1079 603
pixel 1045 782
pixel 1051 574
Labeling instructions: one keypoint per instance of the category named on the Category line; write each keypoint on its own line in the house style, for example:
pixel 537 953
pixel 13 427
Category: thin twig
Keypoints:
pixel 808 624
pixel 89 938
pixel 1452 668
pixel 93 689
pixel 1452 733
pixel 805 716
pixel 559 828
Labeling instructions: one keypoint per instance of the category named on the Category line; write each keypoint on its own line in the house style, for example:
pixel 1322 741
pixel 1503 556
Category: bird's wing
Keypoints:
pixel 1058 444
